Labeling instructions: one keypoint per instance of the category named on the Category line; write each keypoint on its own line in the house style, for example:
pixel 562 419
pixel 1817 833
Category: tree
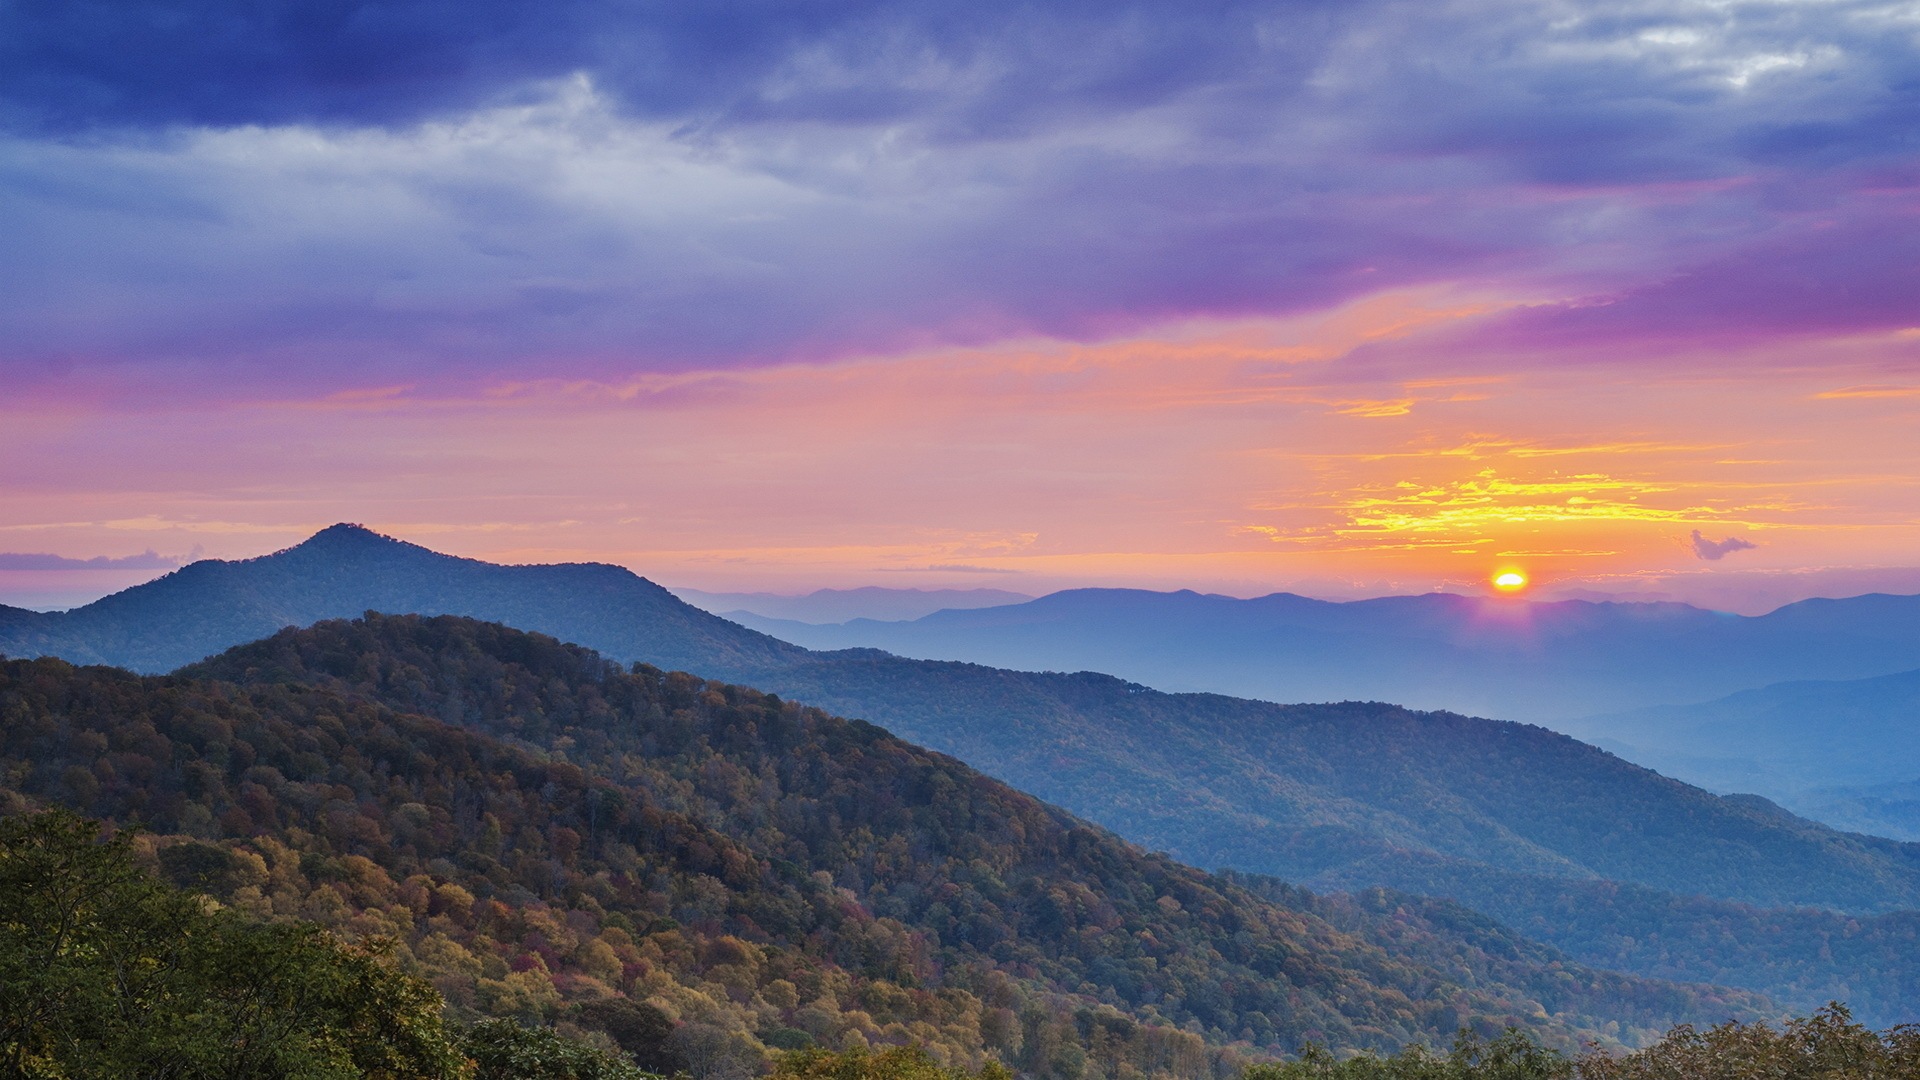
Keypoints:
pixel 893 1063
pixel 643 1031
pixel 107 972
pixel 1512 1056
pixel 1828 1045
pixel 508 1050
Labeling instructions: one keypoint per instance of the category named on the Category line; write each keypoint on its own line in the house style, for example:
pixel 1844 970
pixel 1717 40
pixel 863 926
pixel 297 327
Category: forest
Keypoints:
pixel 107 971
pixel 535 829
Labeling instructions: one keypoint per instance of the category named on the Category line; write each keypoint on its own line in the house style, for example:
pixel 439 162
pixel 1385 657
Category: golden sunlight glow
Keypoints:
pixel 1510 581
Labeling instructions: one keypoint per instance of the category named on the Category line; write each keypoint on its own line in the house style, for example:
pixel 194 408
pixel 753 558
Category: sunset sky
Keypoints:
pixel 1342 298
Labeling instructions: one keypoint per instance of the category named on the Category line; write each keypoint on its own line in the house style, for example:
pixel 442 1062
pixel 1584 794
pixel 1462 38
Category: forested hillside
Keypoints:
pixel 1510 819
pixel 1803 956
pixel 1355 793
pixel 1822 747
pixel 1806 957
pixel 1497 816
pixel 1327 792
pixel 1516 820
pixel 561 830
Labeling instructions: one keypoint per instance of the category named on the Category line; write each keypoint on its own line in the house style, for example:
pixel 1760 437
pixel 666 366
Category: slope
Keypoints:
pixel 841 605
pixel 1355 793
pixel 1891 810
pixel 746 863
pixel 1842 750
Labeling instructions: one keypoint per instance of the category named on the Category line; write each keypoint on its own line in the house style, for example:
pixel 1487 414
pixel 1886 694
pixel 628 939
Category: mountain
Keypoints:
pixel 1838 749
pixel 1492 656
pixel 1356 793
pixel 1802 956
pixel 1615 865
pixel 1880 809
pixel 345 570
pixel 537 826
pixel 841 605
pixel 1332 793
pixel 1519 821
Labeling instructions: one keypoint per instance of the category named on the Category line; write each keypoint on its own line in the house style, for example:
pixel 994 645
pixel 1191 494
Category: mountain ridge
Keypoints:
pixel 1337 796
pixel 1206 772
pixel 840 605
pixel 1820 747
pixel 162 624
pixel 1543 662
pixel 398 753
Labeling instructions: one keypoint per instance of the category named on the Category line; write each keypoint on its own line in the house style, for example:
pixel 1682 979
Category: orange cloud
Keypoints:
pixel 1868 392
pixel 1237 456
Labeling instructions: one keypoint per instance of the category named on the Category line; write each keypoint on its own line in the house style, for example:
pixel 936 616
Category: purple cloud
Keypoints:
pixel 294 197
pixel 985 64
pixel 1715 550
pixel 146 560
pixel 1849 268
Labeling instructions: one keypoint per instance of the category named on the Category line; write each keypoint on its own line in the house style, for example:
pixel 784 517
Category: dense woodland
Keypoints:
pixel 1804 957
pixel 1613 865
pixel 106 971
pixel 1355 793
pixel 538 830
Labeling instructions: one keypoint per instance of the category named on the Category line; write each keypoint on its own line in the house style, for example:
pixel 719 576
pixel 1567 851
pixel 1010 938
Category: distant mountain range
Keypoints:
pixel 1487 656
pixel 842 605
pixel 1525 824
pixel 1881 809
pixel 1846 750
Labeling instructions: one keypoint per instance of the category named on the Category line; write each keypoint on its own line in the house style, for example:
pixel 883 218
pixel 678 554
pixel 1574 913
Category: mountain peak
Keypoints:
pixel 347 540
pixel 346 532
pixel 347 569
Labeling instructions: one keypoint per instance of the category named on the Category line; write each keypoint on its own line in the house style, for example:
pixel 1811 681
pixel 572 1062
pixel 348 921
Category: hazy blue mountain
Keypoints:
pixel 1836 749
pixel 842 605
pixel 1802 956
pixel 1517 818
pixel 1496 656
pixel 1354 793
pixel 343 571
pixel 1880 809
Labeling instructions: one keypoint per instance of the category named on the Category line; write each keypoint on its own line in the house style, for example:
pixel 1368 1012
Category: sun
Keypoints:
pixel 1509 581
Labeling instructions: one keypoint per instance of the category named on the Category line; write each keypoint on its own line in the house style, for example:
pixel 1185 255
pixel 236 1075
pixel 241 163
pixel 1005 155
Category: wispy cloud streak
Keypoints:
pixel 147 560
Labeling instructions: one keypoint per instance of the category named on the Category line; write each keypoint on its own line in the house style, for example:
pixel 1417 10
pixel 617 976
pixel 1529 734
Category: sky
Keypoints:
pixel 1345 298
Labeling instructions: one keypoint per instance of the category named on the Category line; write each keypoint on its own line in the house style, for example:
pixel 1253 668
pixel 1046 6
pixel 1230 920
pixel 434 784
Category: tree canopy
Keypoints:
pixel 105 971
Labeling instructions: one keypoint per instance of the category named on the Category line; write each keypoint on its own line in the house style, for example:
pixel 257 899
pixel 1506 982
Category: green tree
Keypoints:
pixel 641 1030
pixel 107 972
pixel 508 1050
pixel 1512 1056
pixel 1828 1045
pixel 893 1063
